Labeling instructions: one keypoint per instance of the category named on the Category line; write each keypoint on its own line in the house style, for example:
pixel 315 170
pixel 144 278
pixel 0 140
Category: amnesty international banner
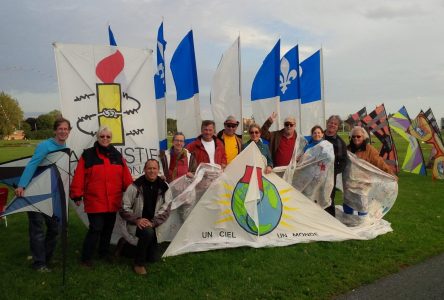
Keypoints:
pixel 110 86
pixel 245 207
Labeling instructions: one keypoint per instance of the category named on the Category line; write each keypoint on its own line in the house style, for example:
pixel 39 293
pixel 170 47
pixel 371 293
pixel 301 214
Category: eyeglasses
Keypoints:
pixel 255 132
pixel 179 141
pixel 356 136
pixel 288 124
pixel 105 136
pixel 230 125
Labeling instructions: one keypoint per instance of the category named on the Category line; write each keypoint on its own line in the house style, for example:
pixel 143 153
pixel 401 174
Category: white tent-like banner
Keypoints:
pixel 282 215
pixel 110 86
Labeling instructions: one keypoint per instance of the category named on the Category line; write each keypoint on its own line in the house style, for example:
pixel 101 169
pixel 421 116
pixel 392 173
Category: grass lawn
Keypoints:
pixel 302 271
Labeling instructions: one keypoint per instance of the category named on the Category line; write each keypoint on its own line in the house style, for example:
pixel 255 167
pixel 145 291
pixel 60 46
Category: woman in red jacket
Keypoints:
pixel 100 179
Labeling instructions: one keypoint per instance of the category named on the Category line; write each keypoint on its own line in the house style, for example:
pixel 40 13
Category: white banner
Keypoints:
pixel 226 91
pixel 285 216
pixel 111 86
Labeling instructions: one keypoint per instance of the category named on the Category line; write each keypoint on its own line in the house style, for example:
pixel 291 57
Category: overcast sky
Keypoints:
pixel 375 52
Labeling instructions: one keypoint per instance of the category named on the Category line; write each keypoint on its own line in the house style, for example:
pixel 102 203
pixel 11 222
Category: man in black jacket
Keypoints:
pixel 340 149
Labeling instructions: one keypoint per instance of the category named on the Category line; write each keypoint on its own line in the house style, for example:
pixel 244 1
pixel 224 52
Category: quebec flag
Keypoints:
pixel 160 89
pixel 184 71
pixel 312 102
pixel 265 89
pixel 289 87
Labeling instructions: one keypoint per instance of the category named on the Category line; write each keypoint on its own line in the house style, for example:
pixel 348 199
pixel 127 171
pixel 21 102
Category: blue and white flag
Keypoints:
pixel 160 88
pixel 112 40
pixel 184 71
pixel 289 88
pixel 265 89
pixel 226 97
pixel 312 102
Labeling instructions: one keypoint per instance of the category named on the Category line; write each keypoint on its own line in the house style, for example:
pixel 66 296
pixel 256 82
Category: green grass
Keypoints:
pixel 302 271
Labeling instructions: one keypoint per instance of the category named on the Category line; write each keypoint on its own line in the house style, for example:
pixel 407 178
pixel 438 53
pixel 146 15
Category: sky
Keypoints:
pixel 374 52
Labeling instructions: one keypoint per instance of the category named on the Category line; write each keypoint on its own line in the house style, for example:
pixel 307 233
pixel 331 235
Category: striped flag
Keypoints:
pixel 265 89
pixel 312 100
pixel 184 71
pixel 377 123
pixel 414 160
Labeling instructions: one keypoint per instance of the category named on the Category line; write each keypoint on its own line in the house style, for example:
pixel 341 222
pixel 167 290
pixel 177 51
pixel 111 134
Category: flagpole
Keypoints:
pixel 322 84
pixel 240 82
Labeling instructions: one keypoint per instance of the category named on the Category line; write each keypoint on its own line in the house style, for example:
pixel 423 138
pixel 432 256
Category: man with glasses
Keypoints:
pixel 231 140
pixel 282 142
pixel 176 160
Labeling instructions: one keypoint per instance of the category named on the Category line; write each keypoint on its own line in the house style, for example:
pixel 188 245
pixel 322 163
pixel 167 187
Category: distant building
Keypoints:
pixel 16 135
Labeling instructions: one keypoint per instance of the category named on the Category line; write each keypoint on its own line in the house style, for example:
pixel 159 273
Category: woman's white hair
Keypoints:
pixel 102 129
pixel 361 130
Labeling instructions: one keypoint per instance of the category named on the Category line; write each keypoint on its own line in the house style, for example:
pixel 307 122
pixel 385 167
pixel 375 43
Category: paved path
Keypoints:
pixel 422 281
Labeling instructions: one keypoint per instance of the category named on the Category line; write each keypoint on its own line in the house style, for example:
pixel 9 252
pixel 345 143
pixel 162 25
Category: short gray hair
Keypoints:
pixel 102 129
pixel 361 130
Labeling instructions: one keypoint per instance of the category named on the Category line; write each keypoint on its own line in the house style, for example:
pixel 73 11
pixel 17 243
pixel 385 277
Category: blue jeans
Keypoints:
pixel 42 244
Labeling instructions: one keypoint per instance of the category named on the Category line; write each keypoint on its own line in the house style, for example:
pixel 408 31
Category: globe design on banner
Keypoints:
pixel 269 205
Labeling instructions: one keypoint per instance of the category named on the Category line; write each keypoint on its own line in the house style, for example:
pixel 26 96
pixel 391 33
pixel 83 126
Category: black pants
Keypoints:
pixel 100 228
pixel 331 209
pixel 42 244
pixel 146 246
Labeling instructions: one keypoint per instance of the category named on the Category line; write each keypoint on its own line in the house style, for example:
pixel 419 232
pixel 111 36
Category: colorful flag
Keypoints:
pixel 377 123
pixel 184 71
pixel 289 88
pixel 312 102
pixel 160 89
pixel 265 88
pixel 226 99
pixel 414 160
pixel 355 119
pixel 433 123
pixel 423 130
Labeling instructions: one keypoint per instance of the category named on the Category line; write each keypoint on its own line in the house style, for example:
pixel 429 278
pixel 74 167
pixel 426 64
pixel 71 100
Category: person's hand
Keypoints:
pixel 190 175
pixel 143 223
pixel 20 192
pixel 272 117
pixel 78 202
pixel 268 170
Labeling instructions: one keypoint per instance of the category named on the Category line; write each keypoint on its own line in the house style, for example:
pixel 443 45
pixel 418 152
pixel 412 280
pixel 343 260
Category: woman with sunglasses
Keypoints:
pixel 255 136
pixel 100 179
pixel 362 149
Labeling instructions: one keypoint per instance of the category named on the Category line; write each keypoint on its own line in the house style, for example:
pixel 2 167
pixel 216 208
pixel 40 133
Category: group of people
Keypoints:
pixel 103 183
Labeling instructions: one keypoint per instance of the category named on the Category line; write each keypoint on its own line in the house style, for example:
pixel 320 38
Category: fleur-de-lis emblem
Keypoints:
pixel 161 67
pixel 287 75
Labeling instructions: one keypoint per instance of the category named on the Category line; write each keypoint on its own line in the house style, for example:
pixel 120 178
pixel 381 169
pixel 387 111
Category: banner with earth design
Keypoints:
pixel 245 207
